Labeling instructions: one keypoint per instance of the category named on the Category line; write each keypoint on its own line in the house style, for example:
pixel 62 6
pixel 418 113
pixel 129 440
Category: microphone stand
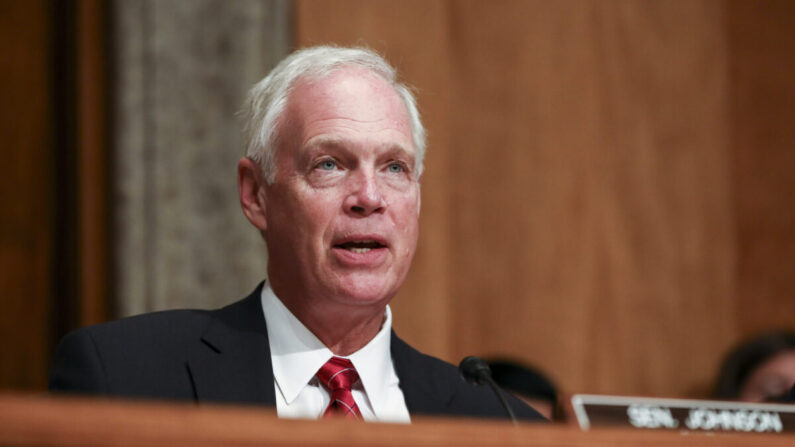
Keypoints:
pixel 475 370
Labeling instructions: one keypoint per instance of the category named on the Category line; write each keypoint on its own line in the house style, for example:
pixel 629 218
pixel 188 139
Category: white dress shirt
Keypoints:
pixel 296 355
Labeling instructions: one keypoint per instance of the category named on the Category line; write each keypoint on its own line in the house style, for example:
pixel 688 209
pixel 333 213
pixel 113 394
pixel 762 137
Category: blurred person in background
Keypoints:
pixel 761 369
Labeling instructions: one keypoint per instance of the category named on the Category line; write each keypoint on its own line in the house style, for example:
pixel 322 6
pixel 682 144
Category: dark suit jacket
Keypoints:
pixel 224 356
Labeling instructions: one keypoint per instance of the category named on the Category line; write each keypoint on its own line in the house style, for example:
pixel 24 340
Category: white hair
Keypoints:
pixel 266 101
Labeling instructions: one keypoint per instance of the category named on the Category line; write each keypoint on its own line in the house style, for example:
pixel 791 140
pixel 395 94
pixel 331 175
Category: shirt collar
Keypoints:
pixel 297 354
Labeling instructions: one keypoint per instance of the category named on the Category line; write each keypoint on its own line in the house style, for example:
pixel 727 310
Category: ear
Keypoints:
pixel 250 184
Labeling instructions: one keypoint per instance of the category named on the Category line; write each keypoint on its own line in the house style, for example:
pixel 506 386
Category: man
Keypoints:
pixel 331 180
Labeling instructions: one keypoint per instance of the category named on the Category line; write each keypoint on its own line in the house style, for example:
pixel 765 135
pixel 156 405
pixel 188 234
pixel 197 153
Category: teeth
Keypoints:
pixel 360 246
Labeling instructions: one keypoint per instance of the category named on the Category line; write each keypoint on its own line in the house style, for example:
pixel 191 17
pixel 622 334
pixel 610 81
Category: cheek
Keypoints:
pixel 410 206
pixel 316 214
pixel 407 221
pixel 297 211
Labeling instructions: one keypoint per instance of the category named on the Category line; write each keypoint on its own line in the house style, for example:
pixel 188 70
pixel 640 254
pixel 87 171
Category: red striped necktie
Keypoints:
pixel 338 376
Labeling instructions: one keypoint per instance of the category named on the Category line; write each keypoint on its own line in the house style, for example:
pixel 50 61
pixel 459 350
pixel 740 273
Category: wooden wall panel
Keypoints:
pixel 591 230
pixel 54 215
pixel 25 186
pixel 93 215
pixel 763 145
pixel 579 204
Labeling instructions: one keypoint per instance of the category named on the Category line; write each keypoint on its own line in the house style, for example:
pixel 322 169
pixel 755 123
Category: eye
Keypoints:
pixel 395 168
pixel 327 165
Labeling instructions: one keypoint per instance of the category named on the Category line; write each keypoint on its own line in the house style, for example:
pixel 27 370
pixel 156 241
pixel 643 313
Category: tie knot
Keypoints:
pixel 338 374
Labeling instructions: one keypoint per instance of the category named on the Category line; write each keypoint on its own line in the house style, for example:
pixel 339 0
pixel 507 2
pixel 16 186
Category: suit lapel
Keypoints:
pixel 232 361
pixel 423 392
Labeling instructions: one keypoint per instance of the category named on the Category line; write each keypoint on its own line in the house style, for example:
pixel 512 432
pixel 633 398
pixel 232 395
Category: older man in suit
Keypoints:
pixel 331 179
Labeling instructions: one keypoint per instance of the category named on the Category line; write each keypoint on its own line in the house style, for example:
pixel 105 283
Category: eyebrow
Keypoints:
pixel 324 142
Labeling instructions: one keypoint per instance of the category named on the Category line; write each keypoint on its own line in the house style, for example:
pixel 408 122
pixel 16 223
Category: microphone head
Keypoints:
pixel 474 370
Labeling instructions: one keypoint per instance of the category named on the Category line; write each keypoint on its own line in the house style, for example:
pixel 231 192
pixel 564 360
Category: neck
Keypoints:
pixel 343 333
pixel 344 329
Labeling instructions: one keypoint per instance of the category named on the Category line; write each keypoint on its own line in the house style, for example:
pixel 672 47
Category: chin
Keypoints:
pixel 366 290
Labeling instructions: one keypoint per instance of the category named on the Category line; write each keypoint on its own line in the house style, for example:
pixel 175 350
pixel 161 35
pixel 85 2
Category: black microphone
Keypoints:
pixel 475 370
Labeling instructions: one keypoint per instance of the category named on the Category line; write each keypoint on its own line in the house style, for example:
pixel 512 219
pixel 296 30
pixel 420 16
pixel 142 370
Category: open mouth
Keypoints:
pixel 360 246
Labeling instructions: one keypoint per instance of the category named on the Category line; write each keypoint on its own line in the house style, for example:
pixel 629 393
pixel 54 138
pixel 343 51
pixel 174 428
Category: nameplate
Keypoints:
pixel 682 414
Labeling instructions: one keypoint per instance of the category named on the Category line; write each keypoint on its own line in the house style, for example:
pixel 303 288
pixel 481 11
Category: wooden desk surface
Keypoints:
pixel 45 420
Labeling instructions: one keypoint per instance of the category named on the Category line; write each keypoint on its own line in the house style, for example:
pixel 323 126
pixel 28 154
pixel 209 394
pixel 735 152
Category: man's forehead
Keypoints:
pixel 344 102
pixel 332 143
pixel 356 91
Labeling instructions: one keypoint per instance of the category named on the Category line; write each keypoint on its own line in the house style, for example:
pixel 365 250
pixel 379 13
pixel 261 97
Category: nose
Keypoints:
pixel 365 197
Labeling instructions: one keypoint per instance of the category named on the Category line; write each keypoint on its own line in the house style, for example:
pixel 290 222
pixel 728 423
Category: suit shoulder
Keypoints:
pixel 130 356
pixel 147 355
pixel 162 326
pixel 429 362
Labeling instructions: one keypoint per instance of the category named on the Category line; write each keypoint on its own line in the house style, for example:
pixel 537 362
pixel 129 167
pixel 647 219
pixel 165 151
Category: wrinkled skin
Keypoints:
pixel 341 217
